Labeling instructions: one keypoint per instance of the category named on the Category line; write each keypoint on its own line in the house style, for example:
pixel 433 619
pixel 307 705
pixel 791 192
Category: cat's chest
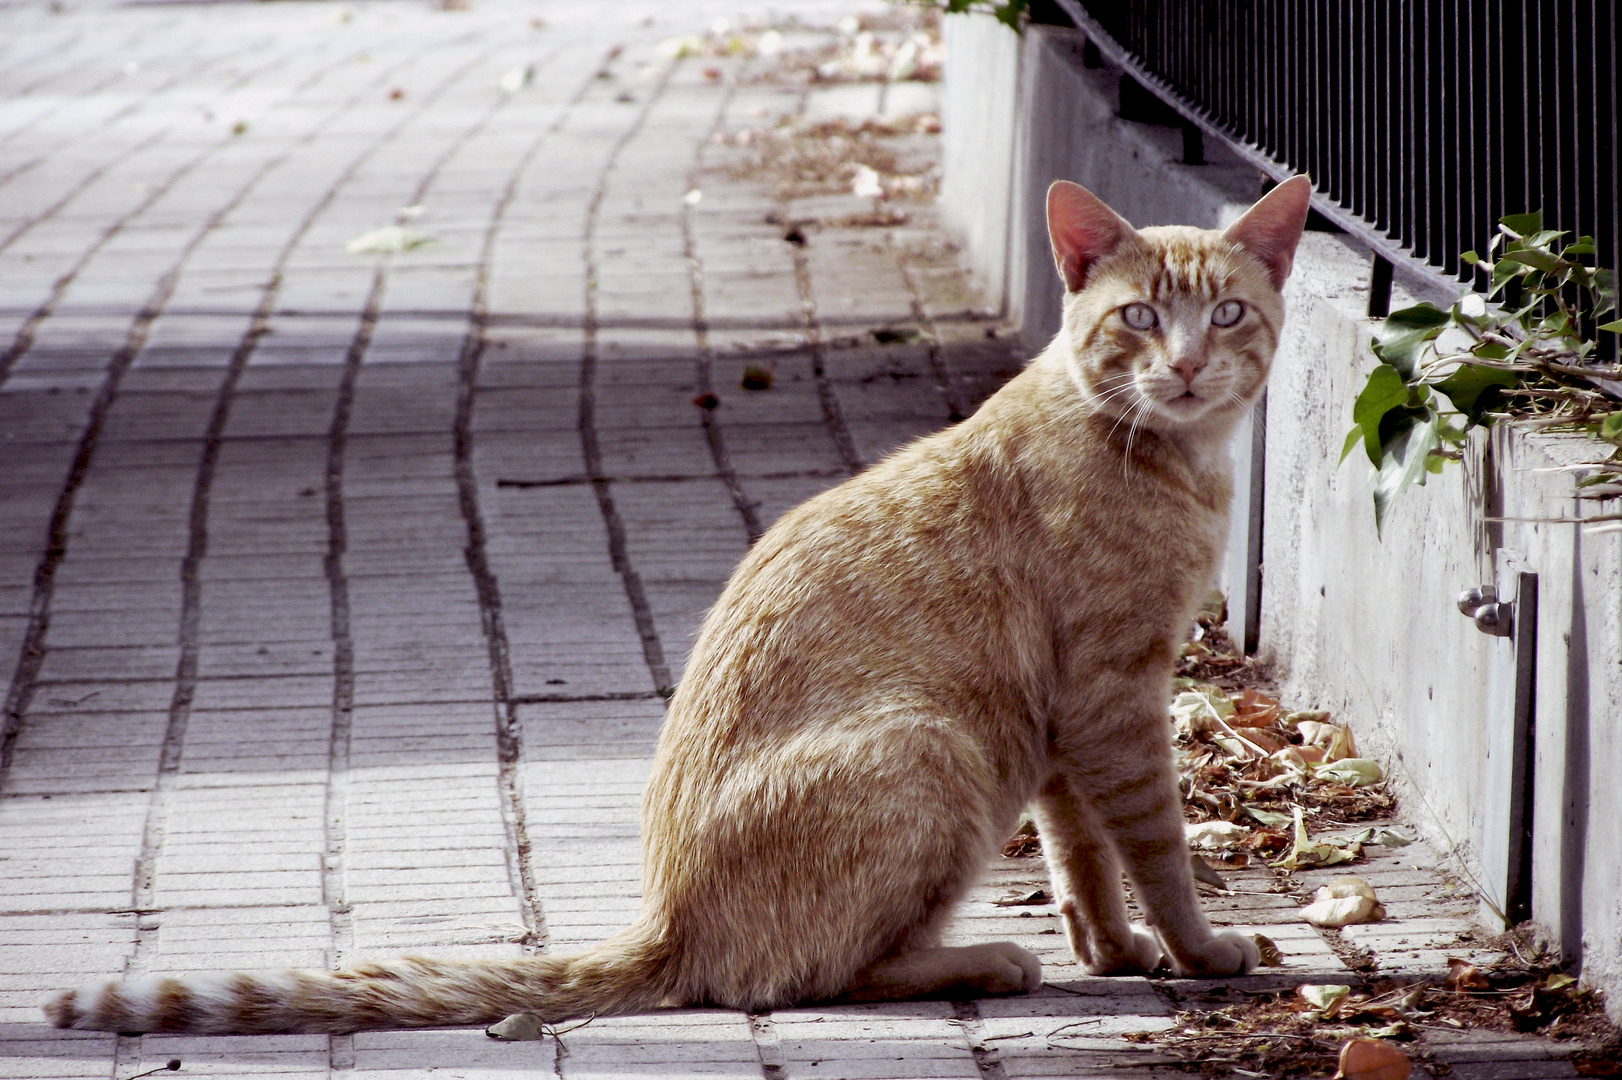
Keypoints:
pixel 1143 558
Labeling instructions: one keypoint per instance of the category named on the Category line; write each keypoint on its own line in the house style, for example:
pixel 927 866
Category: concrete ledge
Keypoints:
pixel 1364 627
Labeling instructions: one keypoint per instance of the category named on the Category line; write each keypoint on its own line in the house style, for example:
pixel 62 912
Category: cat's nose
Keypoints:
pixel 1188 366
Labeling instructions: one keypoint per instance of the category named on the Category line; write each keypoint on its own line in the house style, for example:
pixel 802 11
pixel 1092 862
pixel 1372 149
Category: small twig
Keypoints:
pixel 1218 1036
pixel 169 1066
pixel 555 1032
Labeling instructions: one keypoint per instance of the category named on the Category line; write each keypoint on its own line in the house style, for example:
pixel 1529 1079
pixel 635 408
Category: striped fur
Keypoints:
pixel 985 620
pixel 624 974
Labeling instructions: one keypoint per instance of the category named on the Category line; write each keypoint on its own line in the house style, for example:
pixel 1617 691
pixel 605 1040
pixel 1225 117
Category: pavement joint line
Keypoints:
pixel 833 417
pixel 174 737
pixel 111 119
pixel 675 478
pixel 641 611
pixel 198 535
pixel 557 321
pixel 32 654
pixel 10 913
pixel 341 1048
pixel 937 361
pixel 564 699
pixel 966 1015
pixel 509 732
pixel 24 338
pixel 704 362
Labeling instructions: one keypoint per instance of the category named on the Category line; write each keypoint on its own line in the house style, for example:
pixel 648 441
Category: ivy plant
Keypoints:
pixel 1528 356
pixel 1009 12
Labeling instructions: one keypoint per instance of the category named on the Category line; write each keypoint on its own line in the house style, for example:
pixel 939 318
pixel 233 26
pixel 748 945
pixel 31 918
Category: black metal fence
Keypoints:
pixel 1421 121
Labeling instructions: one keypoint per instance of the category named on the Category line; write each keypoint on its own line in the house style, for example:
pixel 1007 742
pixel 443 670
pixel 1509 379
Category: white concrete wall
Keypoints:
pixel 977 153
pixel 1365 627
pixel 1368 628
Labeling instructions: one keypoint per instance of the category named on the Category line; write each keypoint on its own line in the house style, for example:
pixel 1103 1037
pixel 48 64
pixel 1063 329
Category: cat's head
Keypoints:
pixel 1173 328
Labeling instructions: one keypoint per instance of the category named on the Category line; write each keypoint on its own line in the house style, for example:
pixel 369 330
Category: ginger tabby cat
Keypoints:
pixel 983 621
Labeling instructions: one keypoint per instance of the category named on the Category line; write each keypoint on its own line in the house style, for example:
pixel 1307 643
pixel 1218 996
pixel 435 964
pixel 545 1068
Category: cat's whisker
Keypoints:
pixel 1137 404
pixel 1139 413
pixel 1126 391
pixel 1113 387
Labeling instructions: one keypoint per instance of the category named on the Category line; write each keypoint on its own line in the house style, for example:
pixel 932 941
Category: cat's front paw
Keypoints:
pixel 1228 953
pixel 1138 954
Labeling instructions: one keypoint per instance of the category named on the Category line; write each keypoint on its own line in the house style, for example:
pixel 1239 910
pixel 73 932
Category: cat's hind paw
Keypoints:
pixel 1227 953
pixel 1008 969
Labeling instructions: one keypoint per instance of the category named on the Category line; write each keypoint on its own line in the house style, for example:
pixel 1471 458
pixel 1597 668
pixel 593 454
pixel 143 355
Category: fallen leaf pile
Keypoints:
pixel 826 157
pixel 898 45
pixel 1289 780
pixel 1363 1028
pixel 1262 782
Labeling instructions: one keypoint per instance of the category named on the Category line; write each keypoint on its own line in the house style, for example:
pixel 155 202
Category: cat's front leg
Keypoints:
pixel 1086 882
pixel 1129 781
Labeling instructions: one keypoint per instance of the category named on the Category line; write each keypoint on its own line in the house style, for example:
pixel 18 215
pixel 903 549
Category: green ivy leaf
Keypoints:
pixel 1502 272
pixel 1450 432
pixel 1611 327
pixel 1402 463
pixel 1405 332
pixel 1523 224
pixel 1396 424
pixel 1604 291
pixel 1473 389
pixel 1610 428
pixel 1539 260
pixel 1541 238
pixel 1384 391
pixel 1353 437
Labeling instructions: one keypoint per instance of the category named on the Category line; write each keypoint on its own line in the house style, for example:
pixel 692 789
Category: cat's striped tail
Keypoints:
pixel 627 973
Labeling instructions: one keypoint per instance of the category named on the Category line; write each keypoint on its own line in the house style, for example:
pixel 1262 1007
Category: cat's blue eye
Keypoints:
pixel 1227 313
pixel 1139 316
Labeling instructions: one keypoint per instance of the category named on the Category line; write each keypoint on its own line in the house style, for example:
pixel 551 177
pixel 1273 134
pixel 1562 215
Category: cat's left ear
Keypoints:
pixel 1271 229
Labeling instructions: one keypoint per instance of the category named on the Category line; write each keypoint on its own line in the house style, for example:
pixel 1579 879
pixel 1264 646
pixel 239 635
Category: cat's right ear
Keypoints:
pixel 1082 229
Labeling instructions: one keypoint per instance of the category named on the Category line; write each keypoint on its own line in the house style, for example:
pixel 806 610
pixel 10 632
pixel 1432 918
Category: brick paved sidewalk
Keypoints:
pixel 337 591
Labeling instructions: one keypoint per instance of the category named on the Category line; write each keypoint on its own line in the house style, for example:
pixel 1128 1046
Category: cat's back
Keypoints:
pixel 951 563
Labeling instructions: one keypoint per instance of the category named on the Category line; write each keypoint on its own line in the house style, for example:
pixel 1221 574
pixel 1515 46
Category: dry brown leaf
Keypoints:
pixel 1204 872
pixel 1463 977
pixel 1341 745
pixel 1325 997
pixel 1371 1059
pixel 1254 709
pixel 519 1027
pixel 1267 740
pixel 1342 902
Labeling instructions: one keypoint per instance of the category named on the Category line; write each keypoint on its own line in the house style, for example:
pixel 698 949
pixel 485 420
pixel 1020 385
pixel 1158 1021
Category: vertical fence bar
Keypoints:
pixel 1427 118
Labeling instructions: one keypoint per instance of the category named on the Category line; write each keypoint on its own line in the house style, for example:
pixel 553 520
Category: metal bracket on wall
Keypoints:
pixel 1506 805
pixel 1380 287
